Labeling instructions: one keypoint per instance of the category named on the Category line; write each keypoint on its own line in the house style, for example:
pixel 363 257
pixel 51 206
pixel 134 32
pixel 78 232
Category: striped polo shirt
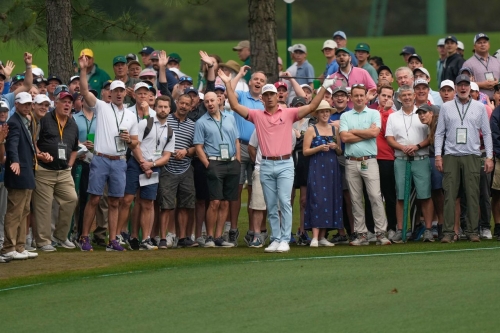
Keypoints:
pixel 184 134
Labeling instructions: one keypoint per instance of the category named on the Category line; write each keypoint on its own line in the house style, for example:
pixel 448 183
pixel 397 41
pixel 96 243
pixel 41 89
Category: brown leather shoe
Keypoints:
pixel 474 238
pixel 447 238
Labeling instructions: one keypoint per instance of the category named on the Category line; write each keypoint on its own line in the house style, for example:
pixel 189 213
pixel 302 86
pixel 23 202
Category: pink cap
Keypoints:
pixel 281 84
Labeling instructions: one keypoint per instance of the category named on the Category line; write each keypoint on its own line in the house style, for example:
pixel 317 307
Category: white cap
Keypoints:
pixel 37 71
pixel 291 48
pixel 423 70
pixel 421 81
pixel 177 72
pixel 460 45
pixel 23 98
pixel 329 44
pixel 306 86
pixel 71 79
pixel 269 88
pixel 447 83
pixel 300 47
pixel 474 86
pixel 40 98
pixel 141 85
pixel 440 42
pixel 4 104
pixel 117 84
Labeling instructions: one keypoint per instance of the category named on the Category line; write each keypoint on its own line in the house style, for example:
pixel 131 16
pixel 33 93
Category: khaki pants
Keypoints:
pixel 53 185
pixel 371 178
pixel 18 208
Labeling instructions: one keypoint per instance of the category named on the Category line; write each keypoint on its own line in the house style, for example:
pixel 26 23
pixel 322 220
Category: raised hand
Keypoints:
pixel 226 79
pixel 83 61
pixel 244 69
pixel 206 58
pixel 28 58
pixel 327 83
pixel 163 59
pixel 8 68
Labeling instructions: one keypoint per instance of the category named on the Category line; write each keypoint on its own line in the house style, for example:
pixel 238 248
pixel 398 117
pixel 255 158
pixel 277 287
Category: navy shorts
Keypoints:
pixel 102 171
pixel 134 170
pixel 436 176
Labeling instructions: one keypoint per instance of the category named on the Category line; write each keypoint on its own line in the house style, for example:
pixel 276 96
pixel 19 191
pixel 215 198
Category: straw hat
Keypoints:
pixel 324 105
pixel 231 64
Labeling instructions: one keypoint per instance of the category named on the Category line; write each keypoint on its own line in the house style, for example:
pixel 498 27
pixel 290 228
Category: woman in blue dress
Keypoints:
pixel 324 184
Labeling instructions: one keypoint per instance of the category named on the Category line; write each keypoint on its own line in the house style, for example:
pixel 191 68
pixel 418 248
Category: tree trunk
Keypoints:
pixel 262 29
pixel 59 38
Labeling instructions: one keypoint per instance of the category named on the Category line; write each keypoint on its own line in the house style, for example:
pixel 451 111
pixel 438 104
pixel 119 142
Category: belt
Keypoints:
pixel 412 158
pixel 277 158
pixel 217 158
pixel 362 158
pixel 112 157
pixel 243 142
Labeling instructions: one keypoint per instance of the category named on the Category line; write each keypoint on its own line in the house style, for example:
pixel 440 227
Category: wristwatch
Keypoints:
pixel 154 164
pixel 418 145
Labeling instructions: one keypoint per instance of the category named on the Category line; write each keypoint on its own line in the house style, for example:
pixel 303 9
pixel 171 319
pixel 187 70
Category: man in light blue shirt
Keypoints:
pixel 305 71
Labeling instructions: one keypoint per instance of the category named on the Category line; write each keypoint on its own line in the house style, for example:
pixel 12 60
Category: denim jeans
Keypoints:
pixel 276 178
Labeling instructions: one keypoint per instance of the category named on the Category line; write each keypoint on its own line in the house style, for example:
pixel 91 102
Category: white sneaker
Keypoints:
pixel 66 243
pixel 120 239
pixel 272 247
pixel 31 255
pixel 314 242
pixel 372 238
pixel 284 247
pixel 325 242
pixel 47 248
pixel 16 255
pixel 225 233
pixel 391 234
pixel 486 233
pixel 170 240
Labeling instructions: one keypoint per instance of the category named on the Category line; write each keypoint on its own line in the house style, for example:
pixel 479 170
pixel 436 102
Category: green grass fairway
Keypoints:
pixel 386 47
pixel 435 292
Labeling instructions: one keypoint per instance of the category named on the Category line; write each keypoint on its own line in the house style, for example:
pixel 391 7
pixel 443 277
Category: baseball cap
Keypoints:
pixel 177 72
pixel 4 107
pixel 155 55
pixel 460 45
pixel 241 45
pixel 142 85
pixel 37 71
pixel 340 34
pixel 40 98
pixel 440 42
pixel 133 62
pixel 341 89
pixel 408 49
pixel 280 84
pixel 474 86
pixel 381 68
pixel 342 49
pixel 117 84
pixel 39 80
pixel 147 72
pixel 447 83
pixel 60 88
pixel 119 59
pixel 220 87
pixel 479 36
pixel 462 78
pixel 94 92
pixel 17 78
pixel 465 69
pixel 425 107
pixel 73 78
pixel 3 76
pixel 291 48
pixel 452 38
pixel 330 44
pixel 423 70
pixel 107 83
pixel 54 77
pixel 191 89
pixel 65 94
pixel 362 47
pixel 87 52
pixel 146 50
pixel 23 98
pixel 131 56
pixel 174 57
pixel 421 81
pixel 186 78
pixel 298 100
pixel 300 47
pixel 306 86
pixel 414 55
pixel 269 88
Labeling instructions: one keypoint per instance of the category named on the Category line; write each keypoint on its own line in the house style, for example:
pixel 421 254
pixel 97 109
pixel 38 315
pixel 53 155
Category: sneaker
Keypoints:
pixel 147 244
pixel 447 238
pixel 486 233
pixel 264 235
pixel 188 242
pixel 200 241
pixel 360 240
pixel 292 240
pixel 314 242
pixel 434 230
pixel 220 242
pixel 372 238
pixel 474 238
pixel 381 239
pixel 156 240
pixel 170 238
pixel 114 246
pixel 125 236
pixel 63 243
pixel 225 234
pixel 133 244
pixel 16 255
pixel 256 243
pixel 31 255
pixel 248 239
pixel 428 236
pixel 390 234
pixel 303 239
pixel 234 234
pixel 30 248
pixel 5 259
pixel 272 247
pixel 180 243
pixel 283 247
pixel 47 248
pixel 325 242
pixel 418 232
pixel 462 234
pixel 120 239
pixel 339 239
pixel 353 236
pixel 209 242
pixel 84 244
pixel 100 242
pixel 398 237
pixel 162 244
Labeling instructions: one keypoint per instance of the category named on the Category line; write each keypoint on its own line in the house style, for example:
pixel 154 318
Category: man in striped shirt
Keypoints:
pixel 460 121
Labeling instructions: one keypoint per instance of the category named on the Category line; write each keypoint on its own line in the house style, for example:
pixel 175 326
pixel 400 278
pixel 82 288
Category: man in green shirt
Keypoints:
pixel 243 49
pixel 362 53
pixel 96 76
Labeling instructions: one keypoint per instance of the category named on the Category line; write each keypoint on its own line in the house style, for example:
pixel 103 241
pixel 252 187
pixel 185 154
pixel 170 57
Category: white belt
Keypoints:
pixel 217 158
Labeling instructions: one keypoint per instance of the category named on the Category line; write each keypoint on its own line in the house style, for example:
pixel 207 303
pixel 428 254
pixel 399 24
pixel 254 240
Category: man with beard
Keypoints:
pixel 73 85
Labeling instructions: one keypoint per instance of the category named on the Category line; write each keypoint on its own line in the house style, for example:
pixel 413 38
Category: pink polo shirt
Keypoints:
pixel 273 130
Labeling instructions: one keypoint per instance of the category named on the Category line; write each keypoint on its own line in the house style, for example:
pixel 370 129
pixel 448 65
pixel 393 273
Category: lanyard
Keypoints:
pixel 463 114
pixel 219 127
pixel 411 121
pixel 89 126
pixel 481 61
pixel 158 140
pixel 61 128
pixel 116 119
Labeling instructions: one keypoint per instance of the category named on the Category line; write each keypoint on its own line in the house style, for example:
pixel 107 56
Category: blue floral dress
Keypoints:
pixel 324 188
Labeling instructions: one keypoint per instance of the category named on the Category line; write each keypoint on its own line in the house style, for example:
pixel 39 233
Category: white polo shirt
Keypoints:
pixel 108 120
pixel 407 130
pixel 156 140
pixel 133 109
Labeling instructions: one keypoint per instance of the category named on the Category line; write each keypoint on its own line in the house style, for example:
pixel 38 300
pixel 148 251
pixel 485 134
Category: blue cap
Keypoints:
pixel 147 50
pixel 451 37
pixel 479 36
pixel 17 78
pixel 60 88
pixel 191 89
pixel 408 49
pixel 220 87
pixel 54 77
pixel 340 34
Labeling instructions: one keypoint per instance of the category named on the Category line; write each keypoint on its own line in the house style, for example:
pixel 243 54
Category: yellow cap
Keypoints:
pixel 87 52
pixel 34 66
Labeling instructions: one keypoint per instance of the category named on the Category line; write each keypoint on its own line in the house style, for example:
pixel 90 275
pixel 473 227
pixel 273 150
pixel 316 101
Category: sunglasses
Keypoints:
pixel 186 78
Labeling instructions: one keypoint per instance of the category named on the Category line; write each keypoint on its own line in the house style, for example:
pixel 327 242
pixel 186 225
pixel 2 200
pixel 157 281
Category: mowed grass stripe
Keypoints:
pixel 434 293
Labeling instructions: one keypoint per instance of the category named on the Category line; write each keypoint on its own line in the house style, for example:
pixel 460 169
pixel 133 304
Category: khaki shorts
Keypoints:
pixel 257 199
pixel 496 175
